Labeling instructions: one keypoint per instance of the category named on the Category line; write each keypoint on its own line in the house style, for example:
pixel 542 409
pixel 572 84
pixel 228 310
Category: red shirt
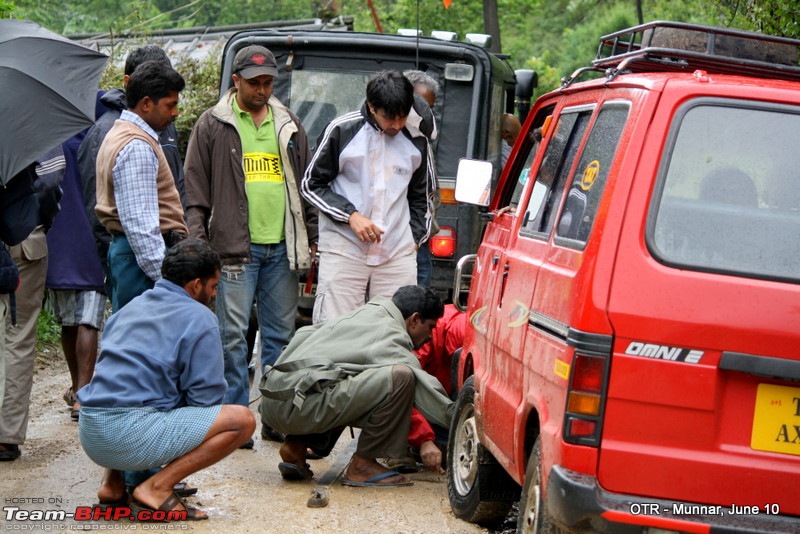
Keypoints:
pixel 435 357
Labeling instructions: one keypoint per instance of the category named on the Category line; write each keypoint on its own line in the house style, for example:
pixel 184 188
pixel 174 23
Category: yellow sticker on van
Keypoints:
pixel 590 175
pixel 561 369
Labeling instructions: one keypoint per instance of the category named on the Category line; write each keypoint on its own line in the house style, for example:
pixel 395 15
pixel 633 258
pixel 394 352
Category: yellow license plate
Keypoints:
pixel 776 422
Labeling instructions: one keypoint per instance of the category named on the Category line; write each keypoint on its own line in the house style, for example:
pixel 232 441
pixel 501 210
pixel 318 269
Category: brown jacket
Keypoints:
pixel 216 202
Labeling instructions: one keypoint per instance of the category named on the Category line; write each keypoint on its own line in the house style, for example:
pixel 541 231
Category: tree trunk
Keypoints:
pixel 491 24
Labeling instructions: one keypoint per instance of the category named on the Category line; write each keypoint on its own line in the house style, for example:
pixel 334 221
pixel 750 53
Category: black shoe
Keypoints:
pixel 249 444
pixel 271 434
pixel 9 452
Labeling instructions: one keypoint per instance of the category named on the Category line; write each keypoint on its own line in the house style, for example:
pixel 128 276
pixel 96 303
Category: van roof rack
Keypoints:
pixel 662 46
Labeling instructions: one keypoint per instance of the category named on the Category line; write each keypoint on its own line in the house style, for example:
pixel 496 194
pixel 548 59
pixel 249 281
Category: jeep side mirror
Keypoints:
pixel 527 81
pixel 474 182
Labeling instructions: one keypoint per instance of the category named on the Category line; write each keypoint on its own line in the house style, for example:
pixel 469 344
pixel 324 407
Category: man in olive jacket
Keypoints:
pixel 356 370
pixel 245 158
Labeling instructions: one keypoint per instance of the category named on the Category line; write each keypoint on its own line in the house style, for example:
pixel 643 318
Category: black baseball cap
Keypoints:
pixel 254 60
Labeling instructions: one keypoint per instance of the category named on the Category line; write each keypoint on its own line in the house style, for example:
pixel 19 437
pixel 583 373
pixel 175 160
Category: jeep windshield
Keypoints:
pixel 729 198
pixel 318 96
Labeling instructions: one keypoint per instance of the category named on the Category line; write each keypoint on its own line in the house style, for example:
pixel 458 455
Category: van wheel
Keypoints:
pixel 472 472
pixel 532 517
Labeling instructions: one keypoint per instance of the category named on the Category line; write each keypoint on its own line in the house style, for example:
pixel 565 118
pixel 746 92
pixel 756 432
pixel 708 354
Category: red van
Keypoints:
pixel 634 358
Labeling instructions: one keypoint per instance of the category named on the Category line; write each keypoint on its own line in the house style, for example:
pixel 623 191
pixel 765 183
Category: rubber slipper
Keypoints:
pixel 75 413
pixel 402 465
pixel 9 452
pixel 183 489
pixel 375 482
pixel 290 471
pixel 122 501
pixel 169 504
pixel 69 397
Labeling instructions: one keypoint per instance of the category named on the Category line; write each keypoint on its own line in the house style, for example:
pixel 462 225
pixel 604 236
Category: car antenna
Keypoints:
pixel 416 59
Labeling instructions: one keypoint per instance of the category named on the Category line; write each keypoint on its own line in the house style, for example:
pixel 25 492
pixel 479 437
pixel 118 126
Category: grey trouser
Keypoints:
pixel 20 340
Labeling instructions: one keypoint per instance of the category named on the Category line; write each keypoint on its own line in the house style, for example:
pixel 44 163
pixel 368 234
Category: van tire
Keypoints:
pixel 532 518
pixel 479 489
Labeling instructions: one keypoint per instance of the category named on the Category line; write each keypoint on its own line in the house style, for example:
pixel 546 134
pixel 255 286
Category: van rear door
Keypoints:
pixel 704 394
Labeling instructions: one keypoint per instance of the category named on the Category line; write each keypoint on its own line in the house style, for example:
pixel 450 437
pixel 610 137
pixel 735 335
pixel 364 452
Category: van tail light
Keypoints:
pixel 586 396
pixel 443 244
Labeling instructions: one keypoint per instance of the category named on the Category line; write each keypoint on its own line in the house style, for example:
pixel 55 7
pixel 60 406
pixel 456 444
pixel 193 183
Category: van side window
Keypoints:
pixel 564 140
pixel 587 187
pixel 533 139
pixel 728 201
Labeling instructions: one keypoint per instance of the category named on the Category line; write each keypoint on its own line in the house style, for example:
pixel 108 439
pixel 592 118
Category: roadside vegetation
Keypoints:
pixel 553 37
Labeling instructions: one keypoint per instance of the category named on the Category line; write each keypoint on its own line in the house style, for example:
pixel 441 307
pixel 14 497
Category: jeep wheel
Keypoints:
pixel 532 517
pixel 468 467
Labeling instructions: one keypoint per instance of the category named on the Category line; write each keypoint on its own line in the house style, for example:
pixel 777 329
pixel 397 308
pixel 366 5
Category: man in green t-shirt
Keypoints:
pixel 244 163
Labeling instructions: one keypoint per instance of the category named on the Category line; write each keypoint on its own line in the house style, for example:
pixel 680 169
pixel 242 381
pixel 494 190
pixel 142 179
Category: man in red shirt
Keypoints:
pixel 435 358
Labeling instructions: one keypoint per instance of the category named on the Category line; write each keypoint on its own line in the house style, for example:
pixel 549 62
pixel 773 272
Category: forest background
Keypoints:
pixel 553 37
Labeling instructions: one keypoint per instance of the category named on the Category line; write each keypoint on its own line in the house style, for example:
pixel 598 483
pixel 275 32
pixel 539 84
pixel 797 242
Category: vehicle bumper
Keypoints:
pixel 575 500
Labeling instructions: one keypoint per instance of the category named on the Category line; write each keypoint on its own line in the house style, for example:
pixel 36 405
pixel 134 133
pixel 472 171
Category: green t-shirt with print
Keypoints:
pixel 263 176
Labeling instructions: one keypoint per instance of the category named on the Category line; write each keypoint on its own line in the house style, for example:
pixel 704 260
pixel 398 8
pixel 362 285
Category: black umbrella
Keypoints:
pixel 47 92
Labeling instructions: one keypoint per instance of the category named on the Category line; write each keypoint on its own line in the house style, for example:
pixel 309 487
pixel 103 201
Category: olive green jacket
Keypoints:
pixel 373 336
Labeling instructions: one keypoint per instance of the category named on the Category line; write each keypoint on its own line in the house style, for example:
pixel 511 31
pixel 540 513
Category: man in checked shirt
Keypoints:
pixel 137 200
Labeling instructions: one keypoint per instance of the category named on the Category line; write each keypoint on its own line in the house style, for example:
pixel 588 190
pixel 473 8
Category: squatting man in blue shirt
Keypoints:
pixel 156 396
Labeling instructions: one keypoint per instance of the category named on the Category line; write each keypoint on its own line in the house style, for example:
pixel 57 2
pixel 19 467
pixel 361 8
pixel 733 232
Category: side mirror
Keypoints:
pixel 474 182
pixel 527 81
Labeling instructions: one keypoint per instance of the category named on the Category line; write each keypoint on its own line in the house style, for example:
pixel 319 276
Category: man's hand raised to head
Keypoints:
pixel 364 228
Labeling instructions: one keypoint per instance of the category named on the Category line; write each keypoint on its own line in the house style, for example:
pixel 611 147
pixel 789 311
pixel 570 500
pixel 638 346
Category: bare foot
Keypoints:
pixel 294 452
pixel 112 487
pixel 362 469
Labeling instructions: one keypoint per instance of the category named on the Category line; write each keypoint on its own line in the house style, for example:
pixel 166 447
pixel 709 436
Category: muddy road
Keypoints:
pixel 243 493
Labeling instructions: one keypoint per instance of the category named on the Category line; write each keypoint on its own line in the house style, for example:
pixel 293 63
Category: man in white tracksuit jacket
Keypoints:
pixel 369 178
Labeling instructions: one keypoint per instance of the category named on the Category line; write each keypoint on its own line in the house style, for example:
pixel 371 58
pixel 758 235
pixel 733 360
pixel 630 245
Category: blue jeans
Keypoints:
pixel 127 278
pixel 424 265
pixel 269 281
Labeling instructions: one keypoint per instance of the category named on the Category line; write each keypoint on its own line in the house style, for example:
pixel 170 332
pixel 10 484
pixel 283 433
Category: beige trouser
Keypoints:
pixel 346 284
pixel 20 340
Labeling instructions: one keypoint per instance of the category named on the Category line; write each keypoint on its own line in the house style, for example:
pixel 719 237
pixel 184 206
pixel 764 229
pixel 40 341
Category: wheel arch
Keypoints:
pixel 532 431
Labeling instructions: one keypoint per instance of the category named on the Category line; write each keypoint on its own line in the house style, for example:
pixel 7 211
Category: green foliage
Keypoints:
pixel 48 331
pixel 202 84
pixel 554 37
pixel 548 76
pixel 74 16
pixel 6 9
pixel 774 17
pixel 201 93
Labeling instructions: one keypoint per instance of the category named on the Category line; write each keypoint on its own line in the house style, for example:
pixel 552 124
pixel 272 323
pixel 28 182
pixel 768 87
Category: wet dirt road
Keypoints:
pixel 243 493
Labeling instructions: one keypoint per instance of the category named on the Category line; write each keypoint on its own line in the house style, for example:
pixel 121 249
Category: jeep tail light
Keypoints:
pixel 447 195
pixel 443 244
pixel 586 397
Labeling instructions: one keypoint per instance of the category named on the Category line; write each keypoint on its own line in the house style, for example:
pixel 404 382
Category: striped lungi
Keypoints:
pixel 134 439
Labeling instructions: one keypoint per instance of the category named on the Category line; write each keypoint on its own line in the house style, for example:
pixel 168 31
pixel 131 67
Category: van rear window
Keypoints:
pixel 728 199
